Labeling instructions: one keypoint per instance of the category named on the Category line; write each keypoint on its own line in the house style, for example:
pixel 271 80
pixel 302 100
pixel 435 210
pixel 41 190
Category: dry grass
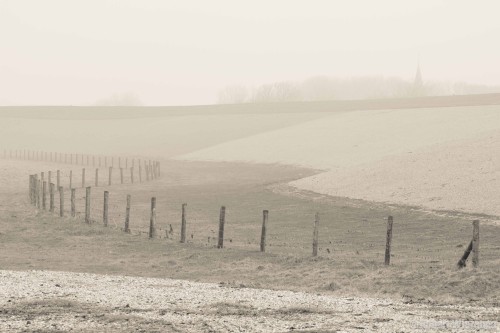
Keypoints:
pixel 426 247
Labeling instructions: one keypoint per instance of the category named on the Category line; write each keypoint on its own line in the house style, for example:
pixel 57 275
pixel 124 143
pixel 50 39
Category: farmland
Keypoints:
pixel 293 164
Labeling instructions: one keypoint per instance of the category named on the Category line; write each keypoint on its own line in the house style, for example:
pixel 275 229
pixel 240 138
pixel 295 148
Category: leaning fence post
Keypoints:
pixel 389 241
pixel 222 221
pixel 61 201
pixel 265 215
pixel 127 215
pixel 73 206
pixel 51 189
pixel 105 209
pixel 315 235
pixel 152 221
pixel 475 243
pixel 87 205
pixel 183 224
pixel 83 177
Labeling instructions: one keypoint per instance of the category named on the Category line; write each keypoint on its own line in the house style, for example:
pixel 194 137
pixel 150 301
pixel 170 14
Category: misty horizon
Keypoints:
pixel 186 53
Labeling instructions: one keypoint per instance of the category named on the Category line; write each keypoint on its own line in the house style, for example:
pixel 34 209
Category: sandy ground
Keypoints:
pixel 435 158
pixel 62 301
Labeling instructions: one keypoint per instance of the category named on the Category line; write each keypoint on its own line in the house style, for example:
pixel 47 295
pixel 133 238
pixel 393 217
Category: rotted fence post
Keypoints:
pixel 152 221
pixel 222 221
pixel 127 215
pixel 105 209
pixel 87 205
pixel 73 206
pixel 183 223
pixel 51 190
pixel 475 243
pixel 315 235
pixel 388 241
pixel 265 216
pixel 61 201
pixel 44 195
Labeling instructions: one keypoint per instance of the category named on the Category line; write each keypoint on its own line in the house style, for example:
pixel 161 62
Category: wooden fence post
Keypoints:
pixel 132 175
pixel 389 241
pixel 44 195
pixel 87 205
pixel 110 174
pixel 475 243
pixel 52 190
pixel 121 175
pixel 126 163
pixel 152 221
pixel 83 177
pixel 61 201
pixel 315 235
pixel 70 179
pixel 127 215
pixel 58 178
pixel 38 190
pixel 96 177
pixel 31 188
pixel 183 223
pixel 73 206
pixel 105 209
pixel 50 178
pixel 222 221
pixel 265 215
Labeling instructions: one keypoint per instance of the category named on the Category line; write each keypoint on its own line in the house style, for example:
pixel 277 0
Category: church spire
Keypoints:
pixel 418 83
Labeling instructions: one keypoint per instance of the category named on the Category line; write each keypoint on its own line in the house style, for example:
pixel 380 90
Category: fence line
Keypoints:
pixel 94 214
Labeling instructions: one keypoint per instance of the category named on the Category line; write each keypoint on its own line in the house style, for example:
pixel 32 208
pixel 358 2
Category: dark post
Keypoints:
pixel 52 190
pixel 152 221
pixel 44 195
pixel 58 178
pixel 105 209
pixel 110 173
pixel 389 241
pixel 83 177
pixel 73 206
pixel 183 224
pixel 265 215
pixel 87 205
pixel 222 221
pixel 70 179
pixel 461 262
pixel 475 243
pixel 132 175
pixel 127 215
pixel 61 201
pixel 96 177
pixel 315 235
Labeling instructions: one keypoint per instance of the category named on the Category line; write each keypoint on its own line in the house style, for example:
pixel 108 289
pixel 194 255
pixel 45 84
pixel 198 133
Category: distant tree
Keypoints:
pixel 233 94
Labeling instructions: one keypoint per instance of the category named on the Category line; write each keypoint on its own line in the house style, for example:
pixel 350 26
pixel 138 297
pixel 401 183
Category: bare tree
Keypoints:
pixel 233 94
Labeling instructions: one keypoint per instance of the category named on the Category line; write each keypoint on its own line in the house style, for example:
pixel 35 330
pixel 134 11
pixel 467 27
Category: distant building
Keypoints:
pixel 418 88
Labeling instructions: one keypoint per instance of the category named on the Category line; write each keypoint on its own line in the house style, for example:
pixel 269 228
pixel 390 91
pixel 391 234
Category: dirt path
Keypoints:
pixel 62 301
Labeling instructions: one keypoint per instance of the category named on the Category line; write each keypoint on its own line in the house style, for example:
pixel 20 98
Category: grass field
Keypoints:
pixel 426 247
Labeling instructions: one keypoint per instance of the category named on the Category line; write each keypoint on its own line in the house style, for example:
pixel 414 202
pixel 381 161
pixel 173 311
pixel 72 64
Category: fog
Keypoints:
pixel 60 52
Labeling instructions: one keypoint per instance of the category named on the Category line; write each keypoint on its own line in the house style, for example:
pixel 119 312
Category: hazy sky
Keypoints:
pixel 182 52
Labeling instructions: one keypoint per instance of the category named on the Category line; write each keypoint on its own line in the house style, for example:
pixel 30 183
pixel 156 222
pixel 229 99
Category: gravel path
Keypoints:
pixel 81 302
